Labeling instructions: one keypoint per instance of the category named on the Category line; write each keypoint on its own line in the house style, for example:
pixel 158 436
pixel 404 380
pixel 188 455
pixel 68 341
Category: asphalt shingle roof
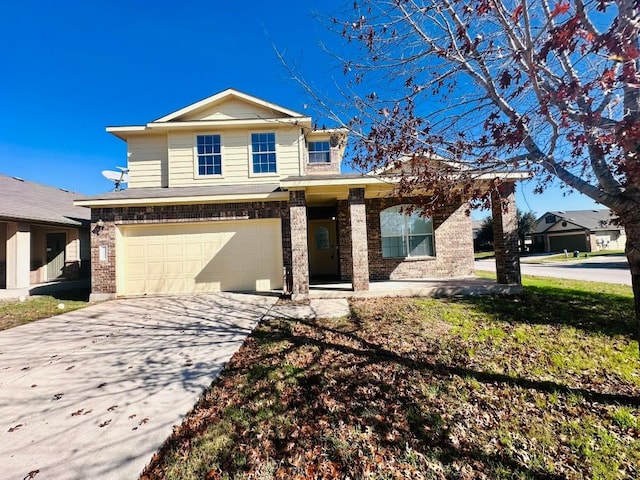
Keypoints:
pixel 197 191
pixel 29 201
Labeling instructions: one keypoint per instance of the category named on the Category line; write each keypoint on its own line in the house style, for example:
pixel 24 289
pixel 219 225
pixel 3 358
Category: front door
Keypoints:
pixel 56 243
pixel 323 248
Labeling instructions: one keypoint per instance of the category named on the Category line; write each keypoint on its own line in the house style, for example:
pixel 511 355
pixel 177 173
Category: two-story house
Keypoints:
pixel 234 193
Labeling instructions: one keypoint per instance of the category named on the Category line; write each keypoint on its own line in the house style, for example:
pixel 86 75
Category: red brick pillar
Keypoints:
pixel 299 243
pixel 359 249
pixel 505 234
pixel 103 255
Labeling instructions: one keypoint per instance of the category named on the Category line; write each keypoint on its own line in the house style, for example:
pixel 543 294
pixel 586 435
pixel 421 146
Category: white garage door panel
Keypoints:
pixel 184 258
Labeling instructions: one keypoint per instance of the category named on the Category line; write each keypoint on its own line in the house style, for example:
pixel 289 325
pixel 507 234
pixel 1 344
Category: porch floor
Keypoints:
pixel 451 287
pixel 46 288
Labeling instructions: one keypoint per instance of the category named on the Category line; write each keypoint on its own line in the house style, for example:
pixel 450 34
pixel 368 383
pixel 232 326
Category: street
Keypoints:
pixel 609 269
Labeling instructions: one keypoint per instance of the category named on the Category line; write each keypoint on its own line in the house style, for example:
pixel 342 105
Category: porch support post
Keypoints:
pixel 359 248
pixel 18 255
pixel 505 234
pixel 299 243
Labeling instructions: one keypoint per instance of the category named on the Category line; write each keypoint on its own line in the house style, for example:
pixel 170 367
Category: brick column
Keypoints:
pixel 359 249
pixel 18 269
pixel 299 244
pixel 505 234
pixel 103 255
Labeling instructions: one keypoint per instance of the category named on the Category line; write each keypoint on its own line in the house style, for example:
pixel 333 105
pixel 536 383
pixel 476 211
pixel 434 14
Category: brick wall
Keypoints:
pixel 453 244
pixel 103 273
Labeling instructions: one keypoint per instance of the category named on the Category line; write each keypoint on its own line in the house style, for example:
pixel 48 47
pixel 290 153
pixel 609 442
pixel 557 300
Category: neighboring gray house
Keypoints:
pixel 43 236
pixel 582 230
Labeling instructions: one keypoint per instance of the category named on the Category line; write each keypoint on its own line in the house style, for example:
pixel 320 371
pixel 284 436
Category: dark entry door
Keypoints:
pixel 56 243
pixel 323 248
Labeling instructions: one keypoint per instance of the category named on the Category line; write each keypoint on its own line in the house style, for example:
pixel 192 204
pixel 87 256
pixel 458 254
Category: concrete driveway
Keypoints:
pixel 93 393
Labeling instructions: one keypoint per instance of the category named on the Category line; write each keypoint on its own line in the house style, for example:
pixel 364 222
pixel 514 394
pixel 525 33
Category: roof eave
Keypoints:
pixel 178 199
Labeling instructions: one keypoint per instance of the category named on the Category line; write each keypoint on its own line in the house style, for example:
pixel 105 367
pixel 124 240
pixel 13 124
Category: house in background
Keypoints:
pixel 581 230
pixel 234 193
pixel 43 236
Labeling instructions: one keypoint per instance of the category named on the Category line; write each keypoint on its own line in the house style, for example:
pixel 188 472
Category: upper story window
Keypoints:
pixel 209 155
pixel 405 235
pixel 319 152
pixel 550 219
pixel 263 152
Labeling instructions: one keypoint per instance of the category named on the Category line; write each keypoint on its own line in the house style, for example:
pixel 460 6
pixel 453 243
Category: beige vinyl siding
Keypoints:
pixel 230 110
pixel 72 249
pixel 147 161
pixel 558 227
pixel 236 161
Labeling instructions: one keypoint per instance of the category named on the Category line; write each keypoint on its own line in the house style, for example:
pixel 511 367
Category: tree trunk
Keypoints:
pixel 632 251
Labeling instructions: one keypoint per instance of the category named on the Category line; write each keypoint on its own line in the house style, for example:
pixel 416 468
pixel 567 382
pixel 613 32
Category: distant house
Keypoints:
pixel 43 236
pixel 583 230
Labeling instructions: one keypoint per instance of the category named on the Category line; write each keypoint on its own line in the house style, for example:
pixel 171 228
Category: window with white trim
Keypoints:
pixel 319 152
pixel 209 155
pixel 263 152
pixel 406 235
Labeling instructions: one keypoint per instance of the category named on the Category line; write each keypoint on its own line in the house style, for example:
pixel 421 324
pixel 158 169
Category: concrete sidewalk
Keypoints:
pixel 93 393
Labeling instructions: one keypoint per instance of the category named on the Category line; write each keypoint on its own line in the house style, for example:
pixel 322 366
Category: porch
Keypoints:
pixel 38 253
pixel 340 244
pixel 422 287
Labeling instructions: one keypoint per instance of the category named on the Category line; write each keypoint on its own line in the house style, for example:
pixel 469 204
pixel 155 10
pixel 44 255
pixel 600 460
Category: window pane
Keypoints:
pixel 420 245
pixel 419 224
pixel 322 238
pixel 263 148
pixel 393 247
pixel 392 222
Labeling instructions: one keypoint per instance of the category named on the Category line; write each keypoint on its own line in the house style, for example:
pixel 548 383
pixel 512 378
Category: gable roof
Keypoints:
pixel 22 200
pixel 225 95
pixel 183 118
pixel 588 219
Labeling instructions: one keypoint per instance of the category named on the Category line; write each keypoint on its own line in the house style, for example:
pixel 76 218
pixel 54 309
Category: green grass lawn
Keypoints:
pixel 544 385
pixel 481 255
pixel 570 258
pixel 14 312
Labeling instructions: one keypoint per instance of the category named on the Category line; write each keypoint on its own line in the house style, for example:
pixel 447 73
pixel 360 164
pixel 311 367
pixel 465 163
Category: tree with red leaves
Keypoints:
pixel 548 86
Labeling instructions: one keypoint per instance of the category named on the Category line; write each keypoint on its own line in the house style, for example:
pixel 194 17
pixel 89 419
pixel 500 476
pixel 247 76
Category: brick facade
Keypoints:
pixel 358 223
pixel 103 273
pixel 453 243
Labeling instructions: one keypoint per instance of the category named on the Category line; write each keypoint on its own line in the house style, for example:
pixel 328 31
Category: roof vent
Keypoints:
pixel 561 212
pixel 19 179
pixel 64 190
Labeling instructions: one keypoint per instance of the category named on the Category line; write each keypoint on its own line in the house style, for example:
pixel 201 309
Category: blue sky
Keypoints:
pixel 70 68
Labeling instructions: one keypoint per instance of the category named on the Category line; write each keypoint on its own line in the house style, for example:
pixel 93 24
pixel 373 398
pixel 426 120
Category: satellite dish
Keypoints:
pixel 118 178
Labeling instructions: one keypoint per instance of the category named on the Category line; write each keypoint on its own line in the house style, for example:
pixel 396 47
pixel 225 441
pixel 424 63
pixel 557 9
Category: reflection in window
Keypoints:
pixel 319 152
pixel 263 152
pixel 209 155
pixel 322 238
pixel 405 235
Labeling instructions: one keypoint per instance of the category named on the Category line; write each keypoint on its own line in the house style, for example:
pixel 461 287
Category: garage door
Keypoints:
pixel 568 242
pixel 243 255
